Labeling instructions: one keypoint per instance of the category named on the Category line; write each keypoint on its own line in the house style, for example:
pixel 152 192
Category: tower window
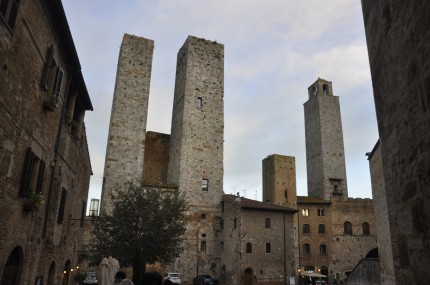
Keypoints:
pixel 325 89
pixel 234 223
pixel 205 184
pixel 268 247
pixel 347 228
pixel 321 212
pixel 199 102
pixel 248 247
pixel 366 229
pixel 267 223
pixel 203 245
pixel 203 216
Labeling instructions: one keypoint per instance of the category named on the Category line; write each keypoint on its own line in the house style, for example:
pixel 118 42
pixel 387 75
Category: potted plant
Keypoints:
pixel 32 202
pixel 51 103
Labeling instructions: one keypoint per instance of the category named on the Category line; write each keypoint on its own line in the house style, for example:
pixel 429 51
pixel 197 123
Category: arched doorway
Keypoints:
pixel 248 276
pixel 66 273
pixel 12 268
pixel 324 270
pixel 373 253
pixel 51 274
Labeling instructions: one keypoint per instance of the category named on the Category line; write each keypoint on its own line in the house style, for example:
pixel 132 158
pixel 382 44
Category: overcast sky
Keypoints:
pixel 274 50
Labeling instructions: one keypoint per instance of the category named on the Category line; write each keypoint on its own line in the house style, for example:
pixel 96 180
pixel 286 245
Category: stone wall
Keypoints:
pixel 126 141
pixel 156 158
pixel 46 238
pixel 381 216
pixel 398 44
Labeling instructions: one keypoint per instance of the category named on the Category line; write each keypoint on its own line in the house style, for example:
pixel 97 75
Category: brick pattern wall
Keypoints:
pixel 26 124
pixel 126 142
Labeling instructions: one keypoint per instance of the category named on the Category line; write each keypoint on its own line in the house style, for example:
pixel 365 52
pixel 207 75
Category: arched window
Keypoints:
pixel 347 228
pixel 321 228
pixel 306 248
pixel 366 229
pixel 248 247
pixel 325 88
pixel 12 267
pixel 323 249
pixel 306 228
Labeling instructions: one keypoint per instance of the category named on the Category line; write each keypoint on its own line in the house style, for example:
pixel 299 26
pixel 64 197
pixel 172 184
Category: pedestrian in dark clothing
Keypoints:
pixel 119 276
pixel 152 278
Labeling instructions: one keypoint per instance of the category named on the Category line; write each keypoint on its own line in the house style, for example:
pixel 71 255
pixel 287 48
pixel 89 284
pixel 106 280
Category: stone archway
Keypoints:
pixel 248 276
pixel 51 274
pixel 13 266
pixel 66 273
pixel 373 253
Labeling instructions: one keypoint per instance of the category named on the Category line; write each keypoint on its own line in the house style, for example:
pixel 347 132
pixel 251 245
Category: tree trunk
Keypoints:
pixel 139 268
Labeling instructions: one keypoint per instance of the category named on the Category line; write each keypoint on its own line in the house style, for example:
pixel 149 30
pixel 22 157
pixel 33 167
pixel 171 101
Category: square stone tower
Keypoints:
pixel 279 180
pixel 325 154
pixel 196 150
pixel 126 142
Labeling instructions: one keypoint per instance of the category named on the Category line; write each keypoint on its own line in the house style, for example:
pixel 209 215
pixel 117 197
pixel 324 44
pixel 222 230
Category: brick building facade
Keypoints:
pixel 44 161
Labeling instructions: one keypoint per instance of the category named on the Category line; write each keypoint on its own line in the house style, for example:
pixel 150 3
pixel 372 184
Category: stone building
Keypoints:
pixel 44 161
pixel 335 231
pixel 398 37
pixel 258 242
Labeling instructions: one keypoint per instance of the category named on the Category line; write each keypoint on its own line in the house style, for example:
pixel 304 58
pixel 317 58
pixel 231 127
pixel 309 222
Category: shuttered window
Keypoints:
pixel 8 12
pixel 60 216
pixel 32 174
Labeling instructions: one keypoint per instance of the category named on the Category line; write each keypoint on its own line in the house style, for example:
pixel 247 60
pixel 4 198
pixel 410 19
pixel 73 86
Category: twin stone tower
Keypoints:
pixel 190 159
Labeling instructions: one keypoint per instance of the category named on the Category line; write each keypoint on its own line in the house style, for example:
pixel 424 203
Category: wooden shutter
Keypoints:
pixel 47 68
pixel 58 80
pixel 26 172
pixel 60 215
pixel 40 177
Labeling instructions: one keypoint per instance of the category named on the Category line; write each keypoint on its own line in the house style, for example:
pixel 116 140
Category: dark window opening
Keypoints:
pixel 222 224
pixel 306 248
pixel 248 247
pixel 9 12
pixel 306 228
pixel 32 174
pixel 234 223
pixel 325 89
pixel 366 229
pixel 84 206
pixel 321 228
pixel 203 245
pixel 203 216
pixel 267 223
pixel 321 212
pixel 347 228
pixel 323 249
pixel 268 247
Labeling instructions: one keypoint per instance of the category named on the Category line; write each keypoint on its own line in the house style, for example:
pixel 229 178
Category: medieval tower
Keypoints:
pixel 325 155
pixel 196 149
pixel 127 130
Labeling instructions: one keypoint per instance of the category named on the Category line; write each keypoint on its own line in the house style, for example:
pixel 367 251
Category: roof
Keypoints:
pixel 65 40
pixel 254 204
pixel 311 200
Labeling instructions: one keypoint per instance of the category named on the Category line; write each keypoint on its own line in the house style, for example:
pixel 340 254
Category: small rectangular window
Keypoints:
pixel 205 184
pixel 84 206
pixel 199 102
pixel 32 174
pixel 234 223
pixel 9 11
pixel 267 223
pixel 203 245
pixel 305 212
pixel 268 247
pixel 321 212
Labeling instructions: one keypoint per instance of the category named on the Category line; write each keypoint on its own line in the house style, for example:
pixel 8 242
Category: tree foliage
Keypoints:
pixel 147 225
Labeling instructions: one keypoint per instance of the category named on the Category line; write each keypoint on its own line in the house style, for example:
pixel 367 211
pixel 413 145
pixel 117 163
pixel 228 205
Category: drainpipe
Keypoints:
pixel 56 147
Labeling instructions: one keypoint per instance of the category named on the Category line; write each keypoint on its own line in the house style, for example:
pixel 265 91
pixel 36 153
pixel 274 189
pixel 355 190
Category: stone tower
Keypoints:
pixel 279 180
pixel 325 154
pixel 196 150
pixel 126 141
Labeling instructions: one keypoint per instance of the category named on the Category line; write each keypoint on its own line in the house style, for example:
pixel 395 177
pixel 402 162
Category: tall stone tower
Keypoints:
pixel 279 180
pixel 196 150
pixel 325 154
pixel 126 141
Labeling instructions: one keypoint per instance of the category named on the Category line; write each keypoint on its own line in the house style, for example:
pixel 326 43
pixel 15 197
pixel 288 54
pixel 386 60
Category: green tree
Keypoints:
pixel 147 225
